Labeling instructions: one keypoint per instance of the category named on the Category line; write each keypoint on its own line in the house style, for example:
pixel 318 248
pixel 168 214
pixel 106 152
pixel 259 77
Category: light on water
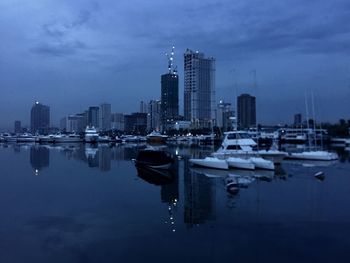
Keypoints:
pixel 81 203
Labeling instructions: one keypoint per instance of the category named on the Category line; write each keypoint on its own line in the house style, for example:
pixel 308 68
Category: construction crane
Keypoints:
pixel 171 67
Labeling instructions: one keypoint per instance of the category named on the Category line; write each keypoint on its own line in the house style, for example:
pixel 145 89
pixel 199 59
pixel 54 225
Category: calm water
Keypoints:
pixel 76 203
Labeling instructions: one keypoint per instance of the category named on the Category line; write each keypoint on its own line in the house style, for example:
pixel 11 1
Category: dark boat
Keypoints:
pixel 155 159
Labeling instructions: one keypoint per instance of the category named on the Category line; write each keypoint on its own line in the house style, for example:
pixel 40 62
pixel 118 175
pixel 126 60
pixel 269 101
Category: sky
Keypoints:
pixel 74 54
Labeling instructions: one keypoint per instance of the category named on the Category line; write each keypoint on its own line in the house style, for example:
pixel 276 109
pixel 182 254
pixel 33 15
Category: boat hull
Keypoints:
pixel 240 163
pixel 210 163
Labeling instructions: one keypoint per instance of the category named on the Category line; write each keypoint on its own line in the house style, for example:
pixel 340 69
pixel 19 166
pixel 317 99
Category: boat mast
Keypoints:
pixel 307 120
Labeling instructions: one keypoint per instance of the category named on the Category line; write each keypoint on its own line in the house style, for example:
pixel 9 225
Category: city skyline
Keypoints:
pixel 74 55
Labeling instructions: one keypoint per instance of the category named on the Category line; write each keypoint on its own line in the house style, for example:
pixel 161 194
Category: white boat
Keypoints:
pixel 261 163
pixel 240 163
pixel 240 144
pixel 47 138
pixel 26 137
pixel 91 135
pixel 314 155
pixel 210 162
pixel 103 139
pixel 7 137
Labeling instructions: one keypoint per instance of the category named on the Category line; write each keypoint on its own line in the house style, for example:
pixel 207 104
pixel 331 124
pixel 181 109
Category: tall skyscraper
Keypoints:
pixel 40 118
pixel 143 107
pixel 170 93
pixel 93 116
pixel 199 89
pixel 246 111
pixel 105 116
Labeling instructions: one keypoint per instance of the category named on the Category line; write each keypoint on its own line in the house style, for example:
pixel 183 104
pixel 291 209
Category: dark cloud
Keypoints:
pixel 59 49
pixel 98 41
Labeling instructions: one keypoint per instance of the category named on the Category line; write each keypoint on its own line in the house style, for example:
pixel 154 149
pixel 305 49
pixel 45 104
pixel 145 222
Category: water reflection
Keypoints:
pixel 199 195
pixel 168 180
pixel 39 158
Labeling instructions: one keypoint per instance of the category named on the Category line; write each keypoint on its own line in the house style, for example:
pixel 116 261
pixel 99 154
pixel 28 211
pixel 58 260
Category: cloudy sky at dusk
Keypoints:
pixel 74 54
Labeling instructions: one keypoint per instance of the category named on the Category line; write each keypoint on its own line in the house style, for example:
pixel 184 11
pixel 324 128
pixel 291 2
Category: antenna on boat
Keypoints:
pixel 307 119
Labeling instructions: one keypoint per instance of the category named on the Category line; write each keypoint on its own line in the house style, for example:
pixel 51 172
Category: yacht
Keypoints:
pixel 7 137
pixel 240 163
pixel 156 137
pixel 91 135
pixel 47 138
pixel 240 144
pixel 27 137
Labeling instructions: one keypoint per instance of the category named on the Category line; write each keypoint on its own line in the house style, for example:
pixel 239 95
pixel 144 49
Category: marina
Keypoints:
pixel 92 201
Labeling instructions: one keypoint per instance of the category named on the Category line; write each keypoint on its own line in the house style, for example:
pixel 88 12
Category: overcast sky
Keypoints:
pixel 74 54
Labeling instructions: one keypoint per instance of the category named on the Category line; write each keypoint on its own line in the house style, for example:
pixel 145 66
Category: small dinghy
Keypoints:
pixel 232 186
pixel 210 162
pixel 320 175
pixel 261 163
pixel 240 163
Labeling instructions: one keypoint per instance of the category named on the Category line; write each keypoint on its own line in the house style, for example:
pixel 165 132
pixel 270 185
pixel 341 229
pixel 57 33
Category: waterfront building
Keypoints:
pixel 63 124
pixel 199 89
pixel 154 115
pixel 18 127
pixel 298 119
pixel 246 111
pixel 135 123
pixel 40 118
pixel 117 121
pixel 75 123
pixel 223 114
pixel 105 117
pixel 93 116
pixel 143 107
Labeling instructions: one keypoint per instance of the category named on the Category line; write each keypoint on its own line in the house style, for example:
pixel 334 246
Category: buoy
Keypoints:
pixel 320 175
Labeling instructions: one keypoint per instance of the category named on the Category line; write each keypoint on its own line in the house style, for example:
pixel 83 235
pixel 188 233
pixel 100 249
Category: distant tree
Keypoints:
pixel 342 122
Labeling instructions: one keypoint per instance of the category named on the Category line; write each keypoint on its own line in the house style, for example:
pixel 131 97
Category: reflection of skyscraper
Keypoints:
pixel 199 197
pixel 104 153
pixel 39 157
pixel 169 193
